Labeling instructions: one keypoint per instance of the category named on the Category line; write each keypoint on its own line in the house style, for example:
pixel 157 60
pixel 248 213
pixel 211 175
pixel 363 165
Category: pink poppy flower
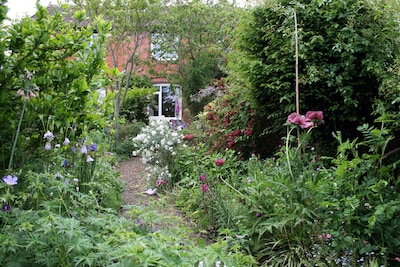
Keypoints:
pixel 305 123
pixel 293 118
pixel 315 116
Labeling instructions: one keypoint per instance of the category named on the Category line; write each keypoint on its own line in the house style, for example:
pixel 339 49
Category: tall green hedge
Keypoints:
pixel 345 48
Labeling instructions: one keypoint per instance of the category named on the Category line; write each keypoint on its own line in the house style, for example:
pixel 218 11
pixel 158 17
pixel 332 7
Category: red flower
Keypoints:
pixel 161 182
pixel 236 132
pixel 219 162
pixel 248 132
pixel 188 137
pixel 204 188
pixel 203 177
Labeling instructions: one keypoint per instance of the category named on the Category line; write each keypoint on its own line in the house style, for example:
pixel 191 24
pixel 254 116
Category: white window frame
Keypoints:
pixel 158 114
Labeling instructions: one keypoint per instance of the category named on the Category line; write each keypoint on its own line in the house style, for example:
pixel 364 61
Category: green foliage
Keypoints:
pixel 136 103
pixel 345 48
pixel 63 67
pixel 204 31
pixel 297 208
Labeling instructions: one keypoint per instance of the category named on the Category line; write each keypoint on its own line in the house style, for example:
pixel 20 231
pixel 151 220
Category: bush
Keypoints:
pixel 157 145
pixel 343 59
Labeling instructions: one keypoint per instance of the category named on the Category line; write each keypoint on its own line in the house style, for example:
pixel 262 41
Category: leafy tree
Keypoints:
pixel 132 22
pixel 204 30
pixel 344 49
pixel 57 59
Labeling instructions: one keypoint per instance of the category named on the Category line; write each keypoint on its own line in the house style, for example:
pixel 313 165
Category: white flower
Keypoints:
pixel 151 191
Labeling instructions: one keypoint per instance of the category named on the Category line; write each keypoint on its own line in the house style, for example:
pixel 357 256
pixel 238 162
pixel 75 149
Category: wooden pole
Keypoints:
pixel 297 74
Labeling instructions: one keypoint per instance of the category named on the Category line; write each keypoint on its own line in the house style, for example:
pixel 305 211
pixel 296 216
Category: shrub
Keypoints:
pixel 157 144
pixel 343 58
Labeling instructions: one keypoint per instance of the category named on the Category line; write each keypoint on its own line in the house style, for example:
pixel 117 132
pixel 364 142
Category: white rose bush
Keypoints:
pixel 157 144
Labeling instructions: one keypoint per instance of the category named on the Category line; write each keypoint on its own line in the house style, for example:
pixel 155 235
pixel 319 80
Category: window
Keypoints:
pixel 163 47
pixel 167 102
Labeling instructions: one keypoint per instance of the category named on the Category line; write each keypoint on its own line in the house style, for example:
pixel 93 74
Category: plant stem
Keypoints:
pixel 10 163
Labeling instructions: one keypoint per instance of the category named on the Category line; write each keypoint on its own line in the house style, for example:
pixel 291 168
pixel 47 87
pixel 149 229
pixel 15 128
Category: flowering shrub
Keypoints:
pixel 157 144
pixel 227 123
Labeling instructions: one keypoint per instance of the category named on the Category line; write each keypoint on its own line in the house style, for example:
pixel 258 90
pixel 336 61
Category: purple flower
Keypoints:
pixel 47 146
pixel 205 187
pixel 10 180
pixel 48 135
pixel 93 147
pixel 6 208
pixel 84 149
pixel 65 163
pixel 203 177
pixel 66 141
pixel 89 159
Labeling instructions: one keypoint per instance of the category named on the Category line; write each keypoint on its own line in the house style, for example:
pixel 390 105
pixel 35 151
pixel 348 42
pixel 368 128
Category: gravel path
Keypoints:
pixel 133 173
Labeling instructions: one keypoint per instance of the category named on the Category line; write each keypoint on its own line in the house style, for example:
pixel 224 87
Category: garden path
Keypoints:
pixel 133 172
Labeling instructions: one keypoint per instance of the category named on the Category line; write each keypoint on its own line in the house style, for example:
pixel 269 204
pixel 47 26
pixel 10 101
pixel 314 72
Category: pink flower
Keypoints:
pixel 219 162
pixel 328 236
pixel 188 137
pixel 161 182
pixel 204 188
pixel 293 118
pixel 397 259
pixel 315 116
pixel 305 123
pixel 203 177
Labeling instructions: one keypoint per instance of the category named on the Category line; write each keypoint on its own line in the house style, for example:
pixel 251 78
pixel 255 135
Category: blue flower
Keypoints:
pixel 6 208
pixel 89 159
pixel 47 146
pixel 93 147
pixel 10 180
pixel 84 149
pixel 48 135
pixel 66 141
pixel 65 163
